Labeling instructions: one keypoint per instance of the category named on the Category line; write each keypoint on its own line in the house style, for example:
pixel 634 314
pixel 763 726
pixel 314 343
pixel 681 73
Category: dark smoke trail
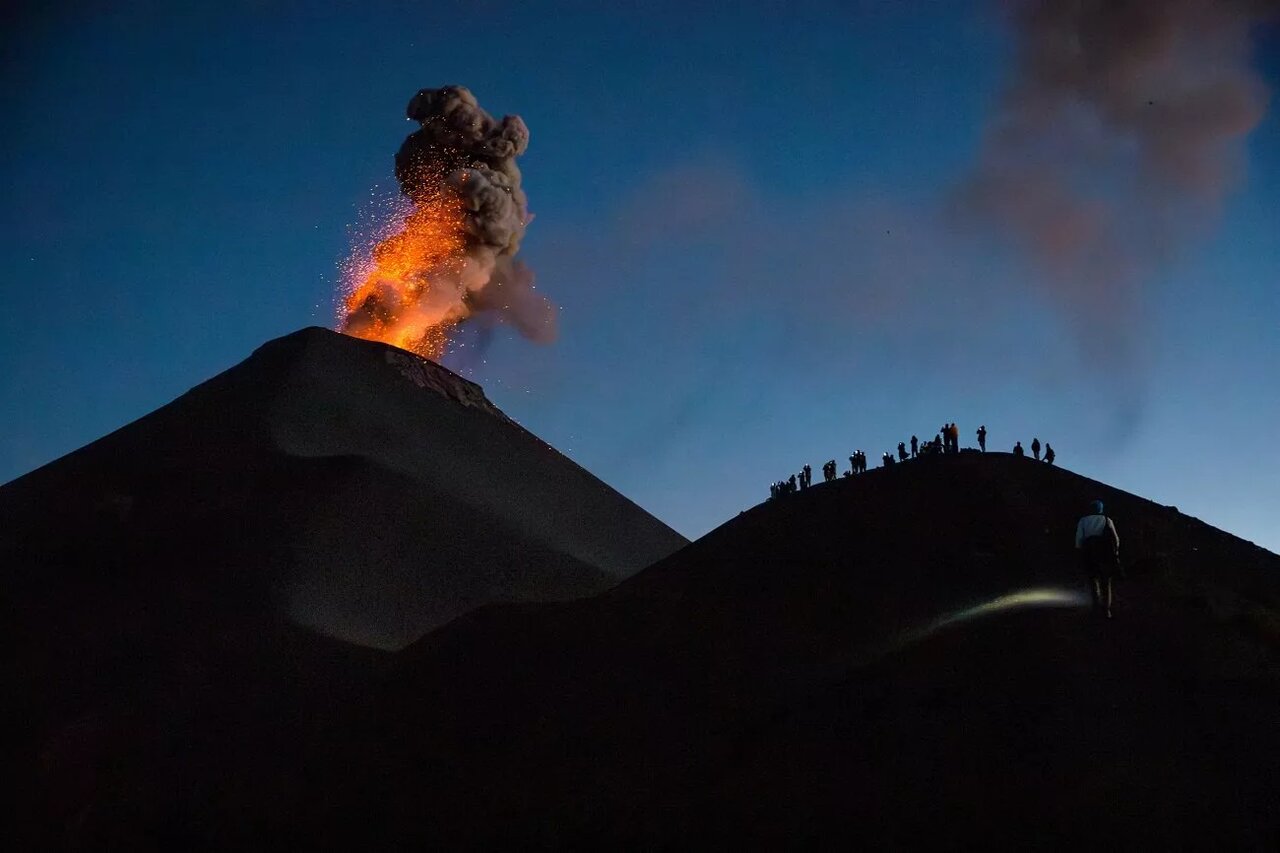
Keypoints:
pixel 454 256
pixel 1118 137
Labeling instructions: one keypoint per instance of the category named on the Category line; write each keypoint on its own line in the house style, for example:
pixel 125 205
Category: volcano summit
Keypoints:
pixel 374 493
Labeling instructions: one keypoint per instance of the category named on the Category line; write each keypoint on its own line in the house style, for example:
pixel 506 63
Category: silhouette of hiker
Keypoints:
pixel 937 443
pixel 982 438
pixel 806 477
pixel 902 451
pixel 1017 449
pixel 915 446
pixel 1035 448
pixel 1049 455
pixel 955 438
pixel 1099 547
pixel 791 484
pixel 853 464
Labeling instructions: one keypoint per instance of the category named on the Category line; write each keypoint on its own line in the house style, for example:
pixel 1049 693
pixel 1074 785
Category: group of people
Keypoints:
pixel 793 484
pixel 1049 455
pixel 947 441
pixel 1096 540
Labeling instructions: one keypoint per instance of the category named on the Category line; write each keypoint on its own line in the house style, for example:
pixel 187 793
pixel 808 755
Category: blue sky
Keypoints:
pixel 736 211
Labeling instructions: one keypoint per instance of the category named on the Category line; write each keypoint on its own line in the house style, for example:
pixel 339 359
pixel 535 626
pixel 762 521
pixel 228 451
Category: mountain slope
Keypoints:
pixel 822 668
pixel 374 493
pixel 178 593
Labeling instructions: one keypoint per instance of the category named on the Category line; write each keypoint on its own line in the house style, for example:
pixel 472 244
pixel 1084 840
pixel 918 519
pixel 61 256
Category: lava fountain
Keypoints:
pixel 452 255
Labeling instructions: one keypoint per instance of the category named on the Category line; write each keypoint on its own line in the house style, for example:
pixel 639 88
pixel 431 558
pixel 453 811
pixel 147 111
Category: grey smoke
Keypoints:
pixel 460 146
pixel 1117 139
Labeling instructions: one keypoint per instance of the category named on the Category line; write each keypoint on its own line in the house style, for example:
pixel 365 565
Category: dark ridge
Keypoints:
pixel 822 669
pixel 779 682
pixel 337 479
pixel 177 593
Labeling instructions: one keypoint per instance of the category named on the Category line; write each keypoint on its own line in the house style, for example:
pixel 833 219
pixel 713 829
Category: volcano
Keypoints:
pixel 373 495
pixel 905 658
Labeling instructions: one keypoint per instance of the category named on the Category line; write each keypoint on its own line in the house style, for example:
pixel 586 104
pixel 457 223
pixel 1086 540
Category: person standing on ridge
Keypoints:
pixel 982 438
pixel 1035 448
pixel 791 484
pixel 902 451
pixel 806 477
pixel 1017 450
pixel 1049 455
pixel 1099 547
pixel 853 464
pixel 915 446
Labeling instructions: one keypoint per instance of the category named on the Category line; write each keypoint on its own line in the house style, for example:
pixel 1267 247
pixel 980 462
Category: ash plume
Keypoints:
pixel 1118 139
pixel 455 256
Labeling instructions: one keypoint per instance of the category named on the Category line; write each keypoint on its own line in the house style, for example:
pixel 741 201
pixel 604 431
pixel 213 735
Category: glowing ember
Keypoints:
pixel 450 252
pixel 398 294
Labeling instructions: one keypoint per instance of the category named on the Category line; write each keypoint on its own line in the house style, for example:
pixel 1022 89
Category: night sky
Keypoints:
pixel 742 212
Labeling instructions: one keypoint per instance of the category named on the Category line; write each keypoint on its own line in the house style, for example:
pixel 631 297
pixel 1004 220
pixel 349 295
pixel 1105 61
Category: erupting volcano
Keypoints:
pixel 453 255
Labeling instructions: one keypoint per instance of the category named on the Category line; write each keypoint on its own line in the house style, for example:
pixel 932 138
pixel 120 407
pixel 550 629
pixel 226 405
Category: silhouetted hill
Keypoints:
pixel 806 674
pixel 899 659
pixel 168 588
pixel 370 493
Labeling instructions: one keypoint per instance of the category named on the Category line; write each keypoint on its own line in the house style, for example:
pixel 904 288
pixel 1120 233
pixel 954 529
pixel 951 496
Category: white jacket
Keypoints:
pixel 1096 525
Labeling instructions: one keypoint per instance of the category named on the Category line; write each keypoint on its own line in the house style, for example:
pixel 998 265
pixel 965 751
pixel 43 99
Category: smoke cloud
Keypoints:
pixel 1117 139
pixel 455 256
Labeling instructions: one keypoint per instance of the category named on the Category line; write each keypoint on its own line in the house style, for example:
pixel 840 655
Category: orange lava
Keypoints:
pixel 411 278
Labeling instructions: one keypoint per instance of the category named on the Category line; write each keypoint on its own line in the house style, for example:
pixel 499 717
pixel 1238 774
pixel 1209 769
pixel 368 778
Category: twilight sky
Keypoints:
pixel 744 211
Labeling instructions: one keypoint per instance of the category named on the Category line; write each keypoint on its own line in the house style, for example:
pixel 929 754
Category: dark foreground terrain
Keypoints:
pixel 819 671
pixel 778 683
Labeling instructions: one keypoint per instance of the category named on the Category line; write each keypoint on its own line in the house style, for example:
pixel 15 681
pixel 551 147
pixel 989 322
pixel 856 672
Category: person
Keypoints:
pixel 937 443
pixel 982 438
pixel 902 451
pixel 1099 547
pixel 791 485
pixel 1049 455
pixel 1035 448
pixel 853 464
pixel 806 477
pixel 915 446
pixel 955 438
pixel 1017 449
